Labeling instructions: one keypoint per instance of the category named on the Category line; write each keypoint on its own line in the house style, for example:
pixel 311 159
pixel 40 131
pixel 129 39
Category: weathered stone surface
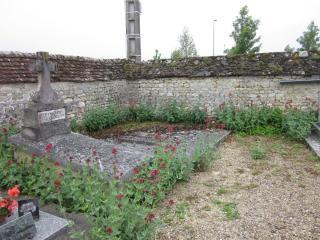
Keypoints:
pixel 46 114
pixel 18 229
pixel 49 226
pixel 131 150
pixel 208 82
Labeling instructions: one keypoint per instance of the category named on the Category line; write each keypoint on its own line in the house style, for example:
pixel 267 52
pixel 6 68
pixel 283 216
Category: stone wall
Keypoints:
pixel 213 92
pixel 15 97
pixel 208 81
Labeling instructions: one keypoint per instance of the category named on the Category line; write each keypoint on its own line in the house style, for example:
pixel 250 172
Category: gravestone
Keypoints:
pixel 46 114
pixel 29 205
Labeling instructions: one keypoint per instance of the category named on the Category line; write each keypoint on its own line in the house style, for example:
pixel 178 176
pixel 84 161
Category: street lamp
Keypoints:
pixel 214 20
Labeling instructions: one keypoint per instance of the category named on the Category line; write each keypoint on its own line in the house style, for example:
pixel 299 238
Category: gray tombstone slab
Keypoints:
pixel 46 114
pixel 18 229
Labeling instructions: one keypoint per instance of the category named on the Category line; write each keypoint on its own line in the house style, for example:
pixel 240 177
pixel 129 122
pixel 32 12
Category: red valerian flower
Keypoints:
pixel 119 196
pixel 151 217
pixel 56 164
pixel 61 174
pixel 94 152
pixel 170 202
pixel 5 130
pixel 136 170
pixel 49 147
pixel 155 172
pixel 170 130
pixel 157 136
pixel 14 192
pixel 57 183
pixel 163 165
pixel 109 230
pixel 140 180
pixel 13 205
pixel 114 151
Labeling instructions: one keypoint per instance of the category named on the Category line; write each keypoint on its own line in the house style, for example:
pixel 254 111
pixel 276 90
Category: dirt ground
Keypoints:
pixel 276 197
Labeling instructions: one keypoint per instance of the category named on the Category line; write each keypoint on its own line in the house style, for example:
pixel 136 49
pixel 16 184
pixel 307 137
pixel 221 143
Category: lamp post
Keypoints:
pixel 214 20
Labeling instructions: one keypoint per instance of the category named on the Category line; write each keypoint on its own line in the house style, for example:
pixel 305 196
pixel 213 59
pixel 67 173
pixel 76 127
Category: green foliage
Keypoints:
pixel 117 210
pixel 289 49
pixel 222 190
pixel 196 115
pixel 204 155
pixel 257 152
pixel 310 39
pixel 100 118
pixel 244 34
pixel 152 180
pixel 268 120
pixel 298 124
pixel 187 46
pixel 74 124
pixel 230 210
pixel 176 55
pixel 142 113
pixel 157 55
pixel 172 112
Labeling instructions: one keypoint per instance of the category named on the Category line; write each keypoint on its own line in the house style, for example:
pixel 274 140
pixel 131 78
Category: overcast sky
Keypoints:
pixel 96 28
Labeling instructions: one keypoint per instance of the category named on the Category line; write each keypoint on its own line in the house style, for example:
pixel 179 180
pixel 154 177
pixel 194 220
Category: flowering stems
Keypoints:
pixel 7 204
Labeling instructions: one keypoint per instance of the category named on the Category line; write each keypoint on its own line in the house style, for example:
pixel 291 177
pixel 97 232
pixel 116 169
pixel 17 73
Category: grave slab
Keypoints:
pixel 131 149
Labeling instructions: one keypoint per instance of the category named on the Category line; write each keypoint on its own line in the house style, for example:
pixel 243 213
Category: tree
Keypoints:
pixel 244 34
pixel 310 39
pixel 157 55
pixel 187 46
pixel 289 49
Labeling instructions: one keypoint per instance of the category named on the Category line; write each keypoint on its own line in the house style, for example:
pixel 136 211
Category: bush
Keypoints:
pixel 197 115
pixel 297 124
pixel 257 152
pixel 268 120
pixel 142 113
pixel 172 112
pixel 100 118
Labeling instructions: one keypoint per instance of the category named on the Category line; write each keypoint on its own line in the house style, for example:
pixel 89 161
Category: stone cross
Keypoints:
pixel 43 67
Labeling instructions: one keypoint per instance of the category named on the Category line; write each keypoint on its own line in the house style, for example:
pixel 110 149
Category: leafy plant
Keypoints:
pixel 142 112
pixel 297 124
pixel 197 115
pixel 172 112
pixel 267 121
pixel 257 152
pixel 230 210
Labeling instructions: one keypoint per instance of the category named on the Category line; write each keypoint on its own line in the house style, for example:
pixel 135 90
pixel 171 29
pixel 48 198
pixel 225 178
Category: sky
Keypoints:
pixel 96 28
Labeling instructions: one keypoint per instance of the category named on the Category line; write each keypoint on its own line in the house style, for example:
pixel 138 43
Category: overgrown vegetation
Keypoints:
pixel 257 151
pixel 268 120
pixel 117 210
pixel 172 112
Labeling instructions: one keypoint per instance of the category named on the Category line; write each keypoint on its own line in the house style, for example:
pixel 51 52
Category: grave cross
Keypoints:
pixel 43 67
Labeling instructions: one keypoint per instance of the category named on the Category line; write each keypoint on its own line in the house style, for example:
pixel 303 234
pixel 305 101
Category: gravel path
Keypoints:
pixel 277 197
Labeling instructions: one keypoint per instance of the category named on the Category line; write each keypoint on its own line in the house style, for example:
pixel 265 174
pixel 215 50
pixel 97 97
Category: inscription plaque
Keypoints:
pixel 29 205
pixel 52 115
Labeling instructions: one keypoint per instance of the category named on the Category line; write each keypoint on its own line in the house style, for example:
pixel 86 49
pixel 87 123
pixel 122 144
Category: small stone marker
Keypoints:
pixel 29 205
pixel 21 228
pixel 46 114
